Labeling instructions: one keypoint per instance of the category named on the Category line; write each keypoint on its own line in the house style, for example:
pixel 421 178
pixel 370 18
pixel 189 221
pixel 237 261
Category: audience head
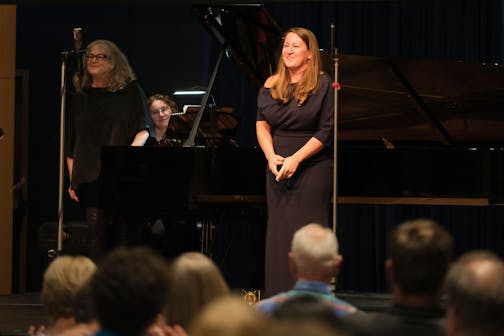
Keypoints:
pixel 63 279
pixel 308 308
pixel 129 290
pixel 314 253
pixel 83 305
pixel 103 58
pixel 302 328
pixel 475 293
pixel 195 281
pixel 229 316
pixel 420 252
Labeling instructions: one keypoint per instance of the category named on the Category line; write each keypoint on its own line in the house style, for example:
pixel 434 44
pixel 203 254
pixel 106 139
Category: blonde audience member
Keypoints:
pixel 232 316
pixel 63 279
pixel 195 281
pixel 229 316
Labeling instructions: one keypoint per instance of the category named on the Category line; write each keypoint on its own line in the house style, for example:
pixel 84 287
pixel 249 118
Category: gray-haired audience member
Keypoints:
pixel 129 291
pixel 420 252
pixel 475 292
pixel 314 261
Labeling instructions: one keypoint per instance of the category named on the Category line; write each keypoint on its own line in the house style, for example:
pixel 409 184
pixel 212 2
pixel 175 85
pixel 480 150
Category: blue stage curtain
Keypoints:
pixel 363 231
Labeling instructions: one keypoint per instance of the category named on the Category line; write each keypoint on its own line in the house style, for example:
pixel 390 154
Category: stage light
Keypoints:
pixel 189 93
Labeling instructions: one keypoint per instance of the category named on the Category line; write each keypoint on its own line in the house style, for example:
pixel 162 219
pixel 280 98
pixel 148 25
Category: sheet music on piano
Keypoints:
pixel 185 108
pixel 191 108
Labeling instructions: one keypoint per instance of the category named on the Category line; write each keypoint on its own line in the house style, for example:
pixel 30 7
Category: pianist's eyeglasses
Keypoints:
pixel 162 109
pixel 98 57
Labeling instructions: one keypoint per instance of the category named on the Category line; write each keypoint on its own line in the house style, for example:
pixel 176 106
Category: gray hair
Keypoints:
pixel 314 248
pixel 475 290
pixel 121 73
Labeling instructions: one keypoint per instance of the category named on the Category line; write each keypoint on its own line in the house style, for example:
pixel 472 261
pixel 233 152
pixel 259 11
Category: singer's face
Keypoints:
pixel 96 66
pixel 295 53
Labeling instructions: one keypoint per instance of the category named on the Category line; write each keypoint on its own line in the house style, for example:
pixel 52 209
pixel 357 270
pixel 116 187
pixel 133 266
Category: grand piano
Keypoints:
pixel 439 124
pixel 409 132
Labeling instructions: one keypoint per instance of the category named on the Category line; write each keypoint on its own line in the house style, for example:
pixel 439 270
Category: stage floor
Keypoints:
pixel 18 311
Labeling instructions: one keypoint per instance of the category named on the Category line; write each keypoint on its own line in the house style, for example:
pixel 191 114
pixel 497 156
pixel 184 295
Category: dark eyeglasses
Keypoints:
pixel 98 57
pixel 160 110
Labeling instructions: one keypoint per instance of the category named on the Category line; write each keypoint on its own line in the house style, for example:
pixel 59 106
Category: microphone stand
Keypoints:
pixel 336 86
pixel 61 182
pixel 77 37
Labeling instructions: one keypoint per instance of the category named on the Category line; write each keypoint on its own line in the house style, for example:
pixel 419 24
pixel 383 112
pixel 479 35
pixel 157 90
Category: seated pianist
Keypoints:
pixel 161 108
pixel 170 236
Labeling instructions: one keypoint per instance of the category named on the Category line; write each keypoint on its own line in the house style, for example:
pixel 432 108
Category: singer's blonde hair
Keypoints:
pixel 308 84
pixel 121 73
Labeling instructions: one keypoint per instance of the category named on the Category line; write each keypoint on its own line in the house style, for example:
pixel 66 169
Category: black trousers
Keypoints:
pixel 90 199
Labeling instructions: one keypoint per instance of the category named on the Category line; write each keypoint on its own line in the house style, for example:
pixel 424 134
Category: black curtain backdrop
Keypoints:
pixel 169 49
pixel 363 235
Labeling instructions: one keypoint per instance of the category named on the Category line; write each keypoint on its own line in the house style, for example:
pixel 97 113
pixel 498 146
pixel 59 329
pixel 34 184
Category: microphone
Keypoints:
pixel 77 37
pixel 334 52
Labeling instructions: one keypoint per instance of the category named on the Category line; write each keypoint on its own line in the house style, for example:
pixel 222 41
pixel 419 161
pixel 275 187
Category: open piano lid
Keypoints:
pixel 406 100
pixel 251 36
pixel 403 101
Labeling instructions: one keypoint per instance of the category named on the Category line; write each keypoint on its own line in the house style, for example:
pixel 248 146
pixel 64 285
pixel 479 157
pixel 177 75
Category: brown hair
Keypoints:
pixel 421 252
pixel 129 289
pixel 164 98
pixel 308 84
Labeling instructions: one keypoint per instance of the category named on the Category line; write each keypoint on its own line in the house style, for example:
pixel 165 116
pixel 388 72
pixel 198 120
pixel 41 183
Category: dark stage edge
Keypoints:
pixel 18 311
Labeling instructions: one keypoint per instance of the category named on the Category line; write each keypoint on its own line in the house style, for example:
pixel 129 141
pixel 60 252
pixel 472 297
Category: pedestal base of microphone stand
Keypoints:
pixel 74 239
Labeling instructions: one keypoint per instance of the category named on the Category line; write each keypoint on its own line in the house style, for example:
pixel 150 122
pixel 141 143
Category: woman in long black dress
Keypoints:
pixel 108 109
pixel 295 131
